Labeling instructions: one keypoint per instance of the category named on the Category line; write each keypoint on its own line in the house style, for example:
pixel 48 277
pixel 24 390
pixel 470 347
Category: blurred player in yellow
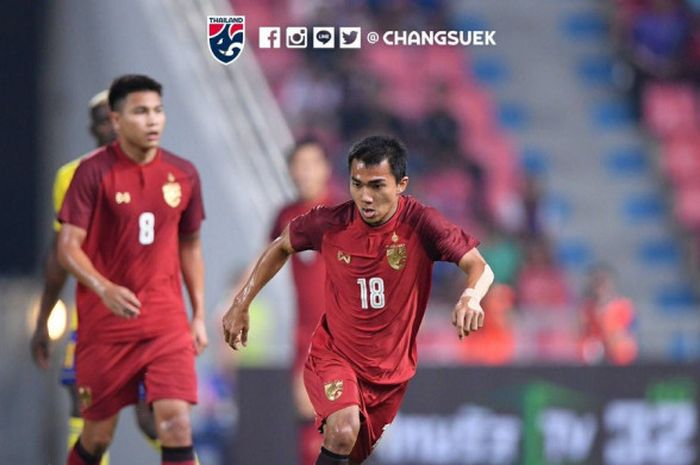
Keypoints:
pixel 55 278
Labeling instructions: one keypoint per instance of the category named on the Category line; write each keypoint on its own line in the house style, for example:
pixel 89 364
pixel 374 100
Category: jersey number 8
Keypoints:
pixel 147 225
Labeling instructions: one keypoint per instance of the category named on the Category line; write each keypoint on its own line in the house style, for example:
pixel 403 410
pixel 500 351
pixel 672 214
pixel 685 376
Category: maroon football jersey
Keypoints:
pixel 133 214
pixel 378 280
pixel 309 274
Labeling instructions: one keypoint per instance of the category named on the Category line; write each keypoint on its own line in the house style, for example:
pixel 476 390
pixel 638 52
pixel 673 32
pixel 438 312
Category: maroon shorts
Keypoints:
pixel 333 385
pixel 108 374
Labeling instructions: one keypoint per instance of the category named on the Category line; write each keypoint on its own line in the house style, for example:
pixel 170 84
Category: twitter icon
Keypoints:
pixel 350 37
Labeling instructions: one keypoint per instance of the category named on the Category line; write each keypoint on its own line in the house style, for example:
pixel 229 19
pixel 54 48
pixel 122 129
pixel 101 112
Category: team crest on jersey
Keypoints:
pixel 226 37
pixel 172 192
pixel 396 254
pixel 85 397
pixel 334 389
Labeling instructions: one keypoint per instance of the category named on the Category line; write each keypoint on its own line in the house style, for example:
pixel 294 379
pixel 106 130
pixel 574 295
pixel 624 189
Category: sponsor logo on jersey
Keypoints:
pixel 343 257
pixel 172 192
pixel 226 37
pixel 334 389
pixel 122 197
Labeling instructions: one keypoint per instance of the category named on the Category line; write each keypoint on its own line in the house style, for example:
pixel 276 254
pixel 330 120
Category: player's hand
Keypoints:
pixel 41 347
pixel 467 316
pixel 236 324
pixel 121 301
pixel 199 335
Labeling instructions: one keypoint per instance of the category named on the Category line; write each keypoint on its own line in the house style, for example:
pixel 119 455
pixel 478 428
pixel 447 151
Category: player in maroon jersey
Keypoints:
pixel 378 249
pixel 310 172
pixel 130 233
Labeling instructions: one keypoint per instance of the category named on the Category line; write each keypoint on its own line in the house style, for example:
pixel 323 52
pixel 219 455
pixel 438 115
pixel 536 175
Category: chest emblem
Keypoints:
pixel 122 197
pixel 343 257
pixel 334 389
pixel 396 254
pixel 172 192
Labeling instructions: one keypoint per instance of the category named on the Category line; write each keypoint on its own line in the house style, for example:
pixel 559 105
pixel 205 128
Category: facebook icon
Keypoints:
pixel 269 37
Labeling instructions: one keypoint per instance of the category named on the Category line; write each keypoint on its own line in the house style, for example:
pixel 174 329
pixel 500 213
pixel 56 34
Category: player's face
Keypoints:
pixel 375 191
pixel 309 171
pixel 101 125
pixel 141 120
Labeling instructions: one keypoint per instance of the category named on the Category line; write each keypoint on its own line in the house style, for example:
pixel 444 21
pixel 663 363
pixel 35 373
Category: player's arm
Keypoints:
pixel 54 280
pixel 468 315
pixel 235 321
pixel 192 263
pixel 120 300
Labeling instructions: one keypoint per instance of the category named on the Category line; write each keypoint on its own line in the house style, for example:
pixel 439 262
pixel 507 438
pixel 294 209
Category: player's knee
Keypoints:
pixel 175 429
pixel 146 422
pixel 340 436
pixel 97 442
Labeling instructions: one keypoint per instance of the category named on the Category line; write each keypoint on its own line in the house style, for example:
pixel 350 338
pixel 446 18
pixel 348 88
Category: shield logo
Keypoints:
pixel 226 36
pixel 397 255
pixel 85 397
pixel 172 192
pixel 334 389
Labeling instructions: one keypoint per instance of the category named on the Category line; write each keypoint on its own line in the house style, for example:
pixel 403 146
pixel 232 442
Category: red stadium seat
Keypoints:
pixel 687 206
pixel 681 158
pixel 670 109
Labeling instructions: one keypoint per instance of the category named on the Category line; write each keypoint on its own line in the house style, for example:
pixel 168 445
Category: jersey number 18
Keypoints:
pixel 375 299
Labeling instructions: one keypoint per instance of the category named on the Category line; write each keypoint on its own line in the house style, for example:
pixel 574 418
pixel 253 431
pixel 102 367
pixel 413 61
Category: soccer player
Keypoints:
pixel 55 276
pixel 378 250
pixel 310 172
pixel 130 233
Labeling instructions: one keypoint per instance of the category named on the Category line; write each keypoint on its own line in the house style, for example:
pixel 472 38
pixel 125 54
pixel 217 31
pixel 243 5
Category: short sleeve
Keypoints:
pixel 193 215
pixel 306 231
pixel 443 240
pixel 81 196
pixel 64 175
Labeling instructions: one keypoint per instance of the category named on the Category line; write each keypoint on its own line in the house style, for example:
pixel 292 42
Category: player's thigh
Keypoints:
pixel 170 368
pixel 304 408
pixel 107 378
pixel 381 404
pixel 331 385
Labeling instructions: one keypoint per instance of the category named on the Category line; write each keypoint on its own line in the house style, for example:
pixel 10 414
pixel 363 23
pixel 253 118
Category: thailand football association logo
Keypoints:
pixel 226 37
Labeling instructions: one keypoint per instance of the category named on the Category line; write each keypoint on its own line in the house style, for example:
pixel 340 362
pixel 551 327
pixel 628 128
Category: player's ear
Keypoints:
pixel 114 118
pixel 402 185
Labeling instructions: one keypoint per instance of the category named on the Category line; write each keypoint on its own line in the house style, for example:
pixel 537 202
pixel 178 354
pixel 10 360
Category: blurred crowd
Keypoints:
pixel 659 42
pixel 461 161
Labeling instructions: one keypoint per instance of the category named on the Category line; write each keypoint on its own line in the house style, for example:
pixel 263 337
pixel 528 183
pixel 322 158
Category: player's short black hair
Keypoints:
pixel 124 85
pixel 373 150
pixel 303 142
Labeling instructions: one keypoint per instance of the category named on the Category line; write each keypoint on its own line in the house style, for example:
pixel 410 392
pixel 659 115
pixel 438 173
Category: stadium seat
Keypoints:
pixel 670 109
pixel 687 206
pixel 681 158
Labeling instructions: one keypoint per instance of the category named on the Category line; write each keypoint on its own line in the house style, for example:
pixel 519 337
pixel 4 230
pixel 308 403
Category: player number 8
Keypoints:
pixel 147 224
pixel 376 292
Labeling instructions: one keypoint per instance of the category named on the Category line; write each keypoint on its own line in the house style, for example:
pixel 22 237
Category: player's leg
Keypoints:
pixel 171 388
pixel 333 389
pixel 172 418
pixel 310 439
pixel 339 436
pixel 75 420
pixel 93 441
pixel 146 420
